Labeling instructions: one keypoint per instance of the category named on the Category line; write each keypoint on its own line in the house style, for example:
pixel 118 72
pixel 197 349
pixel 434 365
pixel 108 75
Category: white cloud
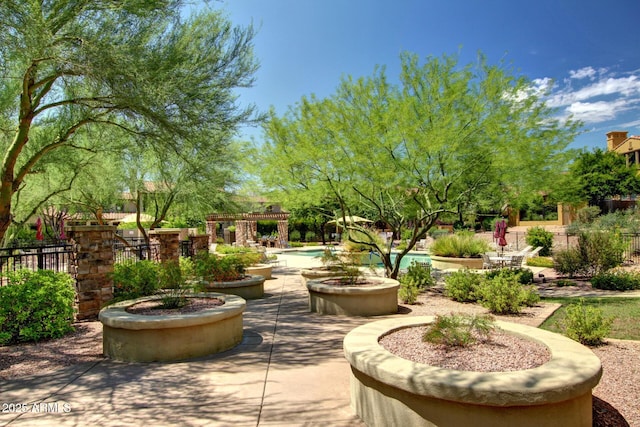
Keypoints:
pixel 594 95
pixel 582 73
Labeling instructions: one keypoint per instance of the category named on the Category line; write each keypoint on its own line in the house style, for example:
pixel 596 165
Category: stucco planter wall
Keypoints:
pixel 263 270
pixel 378 298
pixel 314 273
pixel 443 263
pixel 251 287
pixel 150 338
pixel 387 390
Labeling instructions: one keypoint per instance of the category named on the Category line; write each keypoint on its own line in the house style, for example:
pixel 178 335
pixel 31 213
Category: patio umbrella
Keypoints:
pixel 500 233
pixel 39 235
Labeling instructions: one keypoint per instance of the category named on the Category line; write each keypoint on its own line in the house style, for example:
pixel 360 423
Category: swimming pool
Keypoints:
pixel 372 259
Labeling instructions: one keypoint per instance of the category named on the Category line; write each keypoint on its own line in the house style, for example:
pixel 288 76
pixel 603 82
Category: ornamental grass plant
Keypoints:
pixel 463 244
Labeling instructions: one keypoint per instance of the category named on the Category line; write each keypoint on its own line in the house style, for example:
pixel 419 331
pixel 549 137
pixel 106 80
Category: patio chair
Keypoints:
pixel 516 261
pixel 487 264
pixel 534 253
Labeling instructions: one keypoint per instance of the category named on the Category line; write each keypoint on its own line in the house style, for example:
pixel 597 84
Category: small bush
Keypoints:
pixel 458 329
pixel 219 269
pixel 173 285
pixel 295 236
pixel 310 236
pixel 524 275
pixel 540 261
pixel 538 236
pixel 586 324
pixel 134 279
pixel 408 292
pixel 568 262
pixel 418 275
pixel 503 294
pixel 461 285
pixel 36 305
pixel 617 280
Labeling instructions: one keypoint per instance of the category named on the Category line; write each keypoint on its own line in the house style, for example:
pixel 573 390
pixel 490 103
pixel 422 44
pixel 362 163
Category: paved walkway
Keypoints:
pixel 288 371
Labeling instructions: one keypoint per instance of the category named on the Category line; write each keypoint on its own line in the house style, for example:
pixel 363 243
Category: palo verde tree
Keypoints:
pixel 413 151
pixel 69 69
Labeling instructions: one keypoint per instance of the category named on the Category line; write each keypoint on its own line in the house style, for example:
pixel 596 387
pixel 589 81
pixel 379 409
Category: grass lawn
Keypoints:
pixel 626 312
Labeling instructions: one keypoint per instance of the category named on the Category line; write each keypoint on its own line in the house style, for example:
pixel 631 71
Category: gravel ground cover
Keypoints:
pixel 616 394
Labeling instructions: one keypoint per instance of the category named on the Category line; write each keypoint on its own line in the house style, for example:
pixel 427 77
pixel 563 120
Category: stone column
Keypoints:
pixel 91 264
pixel 283 233
pixel 211 231
pixel 199 243
pixel 253 230
pixel 241 232
pixel 166 242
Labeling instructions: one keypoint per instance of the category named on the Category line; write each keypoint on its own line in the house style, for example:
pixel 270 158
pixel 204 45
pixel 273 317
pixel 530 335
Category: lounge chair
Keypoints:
pixel 535 252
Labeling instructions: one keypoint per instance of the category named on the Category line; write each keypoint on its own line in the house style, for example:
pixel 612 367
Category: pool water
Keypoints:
pixel 404 264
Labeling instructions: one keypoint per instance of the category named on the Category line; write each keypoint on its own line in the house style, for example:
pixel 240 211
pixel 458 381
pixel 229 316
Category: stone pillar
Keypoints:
pixel 211 231
pixel 91 264
pixel 199 243
pixel 283 233
pixel 241 232
pixel 253 230
pixel 167 243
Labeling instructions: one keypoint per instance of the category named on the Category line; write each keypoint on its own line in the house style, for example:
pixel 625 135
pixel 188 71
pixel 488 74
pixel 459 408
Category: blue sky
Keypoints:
pixel 589 51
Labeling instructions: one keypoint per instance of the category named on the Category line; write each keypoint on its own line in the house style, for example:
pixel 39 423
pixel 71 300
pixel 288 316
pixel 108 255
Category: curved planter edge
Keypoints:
pixel 444 262
pixel 149 338
pixel 385 385
pixel 370 300
pixel 251 287
pixel 264 270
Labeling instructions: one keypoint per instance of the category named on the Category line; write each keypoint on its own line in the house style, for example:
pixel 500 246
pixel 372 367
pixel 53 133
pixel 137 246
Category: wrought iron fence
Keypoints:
pixel 55 256
pixel 134 251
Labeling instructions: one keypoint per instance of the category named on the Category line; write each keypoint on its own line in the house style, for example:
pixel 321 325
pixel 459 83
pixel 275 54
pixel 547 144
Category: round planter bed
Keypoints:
pixel 251 287
pixel 389 390
pixel 263 270
pixel 314 273
pixel 162 338
pixel 374 299
pixel 445 262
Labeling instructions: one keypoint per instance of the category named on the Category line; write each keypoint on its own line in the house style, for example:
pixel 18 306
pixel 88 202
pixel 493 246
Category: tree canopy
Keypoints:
pixel 72 71
pixel 445 136
pixel 598 175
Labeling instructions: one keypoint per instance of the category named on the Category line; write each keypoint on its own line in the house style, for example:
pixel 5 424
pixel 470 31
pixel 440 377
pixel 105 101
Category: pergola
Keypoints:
pixel 247 226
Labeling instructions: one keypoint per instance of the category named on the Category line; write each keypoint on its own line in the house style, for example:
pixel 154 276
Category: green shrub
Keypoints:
pixel 617 280
pixel 458 329
pixel 524 275
pixel 219 269
pixel 36 305
pixel 134 279
pixel 503 294
pixel 461 285
pixel 295 236
pixel 418 275
pixel 568 261
pixel 408 292
pixel 595 253
pixel 600 251
pixel 586 324
pixel 462 244
pixel 310 236
pixel 172 284
pixel 228 249
pixel 540 261
pixel 538 236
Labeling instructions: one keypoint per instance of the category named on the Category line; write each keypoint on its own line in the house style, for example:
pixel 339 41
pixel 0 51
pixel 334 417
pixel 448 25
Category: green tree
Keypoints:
pixel 413 151
pixel 598 175
pixel 72 70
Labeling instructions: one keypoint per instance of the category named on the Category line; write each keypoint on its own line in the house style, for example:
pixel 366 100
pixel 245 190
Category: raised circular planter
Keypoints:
pixel 375 299
pixel 388 390
pixel 263 270
pixel 445 262
pixel 251 287
pixel 162 338
pixel 315 273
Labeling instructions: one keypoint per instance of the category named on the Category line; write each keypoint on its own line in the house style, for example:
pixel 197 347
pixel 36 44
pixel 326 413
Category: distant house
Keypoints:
pixel 628 146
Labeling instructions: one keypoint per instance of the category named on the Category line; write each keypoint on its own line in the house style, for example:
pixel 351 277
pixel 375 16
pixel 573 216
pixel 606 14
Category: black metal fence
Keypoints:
pixel 134 250
pixel 54 257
